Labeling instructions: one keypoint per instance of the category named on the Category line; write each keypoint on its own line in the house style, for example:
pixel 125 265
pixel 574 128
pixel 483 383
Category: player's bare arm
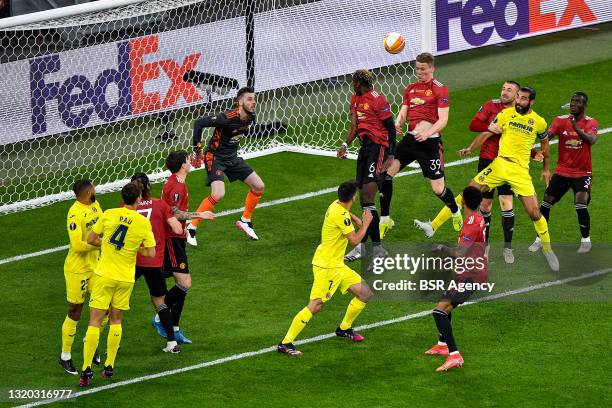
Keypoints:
pixel 175 225
pixel 401 118
pixel 185 215
pixel 545 148
pixel 147 252
pixel 94 239
pixel 350 136
pixel 586 137
pixel 495 128
pixel 454 251
pixel 355 238
pixel 356 221
pixel 476 143
pixel 436 127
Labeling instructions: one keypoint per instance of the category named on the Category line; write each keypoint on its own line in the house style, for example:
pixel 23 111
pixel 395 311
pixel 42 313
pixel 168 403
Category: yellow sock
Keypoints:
pixel 68 332
pixel 92 337
pixel 297 325
pixel 112 344
pixel 352 311
pixel 541 227
pixel 445 214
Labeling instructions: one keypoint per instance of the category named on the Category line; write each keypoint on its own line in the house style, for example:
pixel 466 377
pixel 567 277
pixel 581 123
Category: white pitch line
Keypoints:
pixel 260 205
pixel 316 338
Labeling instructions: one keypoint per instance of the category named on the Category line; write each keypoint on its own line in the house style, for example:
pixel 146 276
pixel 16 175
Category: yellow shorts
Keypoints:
pixel 327 281
pixel 110 292
pixel 77 284
pixel 502 171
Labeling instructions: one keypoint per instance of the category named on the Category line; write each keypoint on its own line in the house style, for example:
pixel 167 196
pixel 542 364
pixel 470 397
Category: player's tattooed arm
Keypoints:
pixel 186 215
pixel 350 136
pixel 586 137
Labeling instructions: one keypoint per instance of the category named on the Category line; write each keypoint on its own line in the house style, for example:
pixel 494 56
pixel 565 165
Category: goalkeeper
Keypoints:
pixel 221 158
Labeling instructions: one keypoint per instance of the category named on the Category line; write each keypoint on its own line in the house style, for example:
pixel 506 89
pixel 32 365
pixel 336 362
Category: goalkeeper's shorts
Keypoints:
pixel 235 169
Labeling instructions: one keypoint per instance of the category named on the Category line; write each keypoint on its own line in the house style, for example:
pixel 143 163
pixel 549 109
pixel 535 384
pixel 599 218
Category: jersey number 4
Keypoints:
pixel 118 237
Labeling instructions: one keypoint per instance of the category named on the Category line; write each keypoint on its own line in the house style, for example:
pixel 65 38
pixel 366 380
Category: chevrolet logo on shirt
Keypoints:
pixel 417 101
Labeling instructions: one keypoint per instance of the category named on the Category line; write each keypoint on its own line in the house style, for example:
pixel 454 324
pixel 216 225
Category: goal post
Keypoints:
pixel 106 92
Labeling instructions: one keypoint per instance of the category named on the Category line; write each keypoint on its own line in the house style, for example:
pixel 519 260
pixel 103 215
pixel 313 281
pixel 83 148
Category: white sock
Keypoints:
pixel 171 344
pixel 587 239
pixel 66 356
pixel 384 218
pixel 157 318
pixel 176 328
pixel 454 352
pixel 245 219
pixel 441 343
pixel 458 213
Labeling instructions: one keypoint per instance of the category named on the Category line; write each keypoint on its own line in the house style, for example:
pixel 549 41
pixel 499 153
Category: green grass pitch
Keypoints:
pixel 246 293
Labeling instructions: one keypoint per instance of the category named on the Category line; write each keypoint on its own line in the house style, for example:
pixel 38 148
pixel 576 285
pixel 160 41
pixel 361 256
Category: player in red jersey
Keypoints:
pixel 161 217
pixel 175 194
pixel 426 104
pixel 489 146
pixel 471 245
pixel 372 123
pixel 577 132
pixel 221 159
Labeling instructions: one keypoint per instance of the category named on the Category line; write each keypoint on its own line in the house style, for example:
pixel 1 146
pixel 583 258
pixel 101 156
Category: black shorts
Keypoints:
pixel 455 297
pixel 154 277
pixel 234 169
pixel 429 154
pixel 559 185
pixel 501 190
pixel 175 256
pixel 370 161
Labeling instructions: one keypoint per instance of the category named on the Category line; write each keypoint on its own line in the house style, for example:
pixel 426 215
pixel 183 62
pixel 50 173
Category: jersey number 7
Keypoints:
pixel 118 237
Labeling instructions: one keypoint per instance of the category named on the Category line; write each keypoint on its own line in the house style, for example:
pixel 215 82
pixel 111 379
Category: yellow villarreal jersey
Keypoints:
pixel 337 223
pixel 82 257
pixel 123 231
pixel 518 134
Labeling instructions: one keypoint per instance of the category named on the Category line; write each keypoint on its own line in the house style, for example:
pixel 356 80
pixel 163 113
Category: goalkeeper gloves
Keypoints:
pixel 197 158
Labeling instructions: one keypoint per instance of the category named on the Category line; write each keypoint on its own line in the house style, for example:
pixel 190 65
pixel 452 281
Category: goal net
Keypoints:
pixel 107 93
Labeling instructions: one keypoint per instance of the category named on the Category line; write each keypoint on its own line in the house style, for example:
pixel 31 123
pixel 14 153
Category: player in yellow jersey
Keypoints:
pixel 121 233
pixel 330 272
pixel 519 126
pixel 79 264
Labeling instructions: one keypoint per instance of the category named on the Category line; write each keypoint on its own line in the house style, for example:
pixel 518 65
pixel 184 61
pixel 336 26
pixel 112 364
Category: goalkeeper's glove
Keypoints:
pixel 197 158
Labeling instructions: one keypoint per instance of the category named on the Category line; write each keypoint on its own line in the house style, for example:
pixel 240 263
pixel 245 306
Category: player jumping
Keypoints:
pixel 372 122
pixel 221 158
pixel 426 104
pixel 330 272
pixel 471 246
pixel 577 132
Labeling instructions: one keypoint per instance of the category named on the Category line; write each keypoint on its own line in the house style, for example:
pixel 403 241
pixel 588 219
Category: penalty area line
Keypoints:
pixel 321 337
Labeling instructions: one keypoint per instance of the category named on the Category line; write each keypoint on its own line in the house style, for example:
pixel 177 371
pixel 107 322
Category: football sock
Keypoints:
pixel 440 338
pixel 541 227
pixel 92 337
pixel 386 193
pixel 447 198
pixel 175 298
pixel 373 229
pixel 372 208
pixel 508 227
pixel 206 205
pixel 250 203
pixel 68 332
pixel 165 318
pixel 445 329
pixel 352 311
pixel 584 220
pixel 445 214
pixel 297 325
pixel 112 344
pixel 487 219
pixel 545 209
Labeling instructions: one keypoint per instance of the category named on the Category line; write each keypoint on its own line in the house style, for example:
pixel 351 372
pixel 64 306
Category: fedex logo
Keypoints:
pixel 80 96
pixel 489 16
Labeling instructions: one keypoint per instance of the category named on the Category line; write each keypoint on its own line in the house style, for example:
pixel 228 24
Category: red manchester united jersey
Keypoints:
pixel 423 100
pixel 574 155
pixel 481 122
pixel 174 194
pixel 472 237
pixel 158 213
pixel 372 110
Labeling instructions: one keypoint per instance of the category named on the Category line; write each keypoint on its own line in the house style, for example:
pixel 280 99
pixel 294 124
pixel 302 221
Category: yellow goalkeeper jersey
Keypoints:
pixel 123 232
pixel 518 134
pixel 337 224
pixel 82 257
